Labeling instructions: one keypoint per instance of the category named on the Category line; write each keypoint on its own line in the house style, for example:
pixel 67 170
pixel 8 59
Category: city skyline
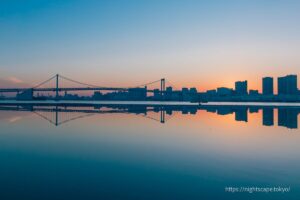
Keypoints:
pixel 13 82
pixel 56 88
pixel 202 44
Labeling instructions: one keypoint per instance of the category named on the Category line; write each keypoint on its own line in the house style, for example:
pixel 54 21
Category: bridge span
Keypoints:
pixel 66 89
pixel 57 87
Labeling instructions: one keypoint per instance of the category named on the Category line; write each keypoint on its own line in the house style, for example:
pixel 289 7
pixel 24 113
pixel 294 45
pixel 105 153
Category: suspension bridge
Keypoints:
pixel 57 87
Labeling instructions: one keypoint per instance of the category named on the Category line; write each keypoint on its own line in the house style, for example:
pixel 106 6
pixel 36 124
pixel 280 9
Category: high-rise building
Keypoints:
pixel 267 86
pixel 287 85
pixel 241 87
pixel 281 82
pixel 292 84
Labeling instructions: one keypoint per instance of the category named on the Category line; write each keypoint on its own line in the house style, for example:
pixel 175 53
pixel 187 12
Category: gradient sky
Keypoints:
pixel 206 44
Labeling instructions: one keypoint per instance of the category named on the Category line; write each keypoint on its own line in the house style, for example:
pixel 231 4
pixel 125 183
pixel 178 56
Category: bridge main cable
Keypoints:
pixel 146 84
pixel 81 83
pixel 42 83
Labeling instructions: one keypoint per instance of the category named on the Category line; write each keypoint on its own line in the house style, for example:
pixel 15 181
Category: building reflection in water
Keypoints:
pixel 288 117
pixel 268 116
pixel 241 114
pixel 57 115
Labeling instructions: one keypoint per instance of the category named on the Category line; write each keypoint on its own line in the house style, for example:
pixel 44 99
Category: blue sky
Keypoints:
pixel 124 42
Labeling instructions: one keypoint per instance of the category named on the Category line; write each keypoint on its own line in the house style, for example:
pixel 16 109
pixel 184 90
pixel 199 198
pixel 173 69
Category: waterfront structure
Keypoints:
pixel 287 85
pixel 267 86
pixel 241 87
pixel 253 92
pixel 223 91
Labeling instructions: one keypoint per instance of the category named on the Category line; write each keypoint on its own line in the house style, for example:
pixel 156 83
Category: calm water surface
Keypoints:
pixel 105 153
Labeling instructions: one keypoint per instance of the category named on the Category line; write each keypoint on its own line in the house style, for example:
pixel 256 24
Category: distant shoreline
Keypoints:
pixel 147 103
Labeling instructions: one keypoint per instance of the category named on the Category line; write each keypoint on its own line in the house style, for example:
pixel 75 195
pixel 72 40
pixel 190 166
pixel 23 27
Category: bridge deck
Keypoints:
pixel 67 89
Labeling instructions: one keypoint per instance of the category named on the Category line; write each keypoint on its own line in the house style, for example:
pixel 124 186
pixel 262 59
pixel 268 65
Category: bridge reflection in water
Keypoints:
pixel 61 114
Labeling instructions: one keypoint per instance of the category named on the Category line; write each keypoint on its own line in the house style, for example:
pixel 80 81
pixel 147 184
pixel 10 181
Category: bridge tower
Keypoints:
pixel 162 87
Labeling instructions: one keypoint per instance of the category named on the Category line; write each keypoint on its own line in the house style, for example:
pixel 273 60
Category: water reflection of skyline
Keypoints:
pixel 58 115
